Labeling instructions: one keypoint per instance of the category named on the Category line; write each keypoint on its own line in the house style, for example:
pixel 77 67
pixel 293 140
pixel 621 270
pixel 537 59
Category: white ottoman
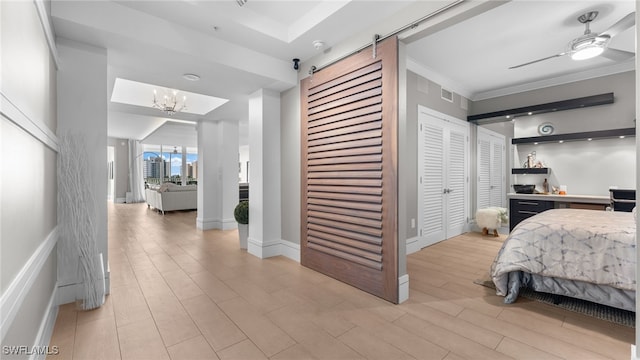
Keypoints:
pixel 490 218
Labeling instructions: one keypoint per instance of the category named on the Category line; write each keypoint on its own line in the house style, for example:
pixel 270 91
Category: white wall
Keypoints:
pixel 290 162
pixel 585 167
pixel 28 181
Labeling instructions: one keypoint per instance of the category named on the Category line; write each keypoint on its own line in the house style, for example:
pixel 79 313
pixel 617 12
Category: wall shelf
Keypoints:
pixel 507 115
pixel 518 171
pixel 593 135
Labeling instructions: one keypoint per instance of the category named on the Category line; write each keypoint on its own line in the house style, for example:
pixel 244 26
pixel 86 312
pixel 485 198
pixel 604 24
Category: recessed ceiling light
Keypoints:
pixel 191 77
pixel 621 136
pixel 535 143
pixel 589 139
pixel 561 141
pixel 530 113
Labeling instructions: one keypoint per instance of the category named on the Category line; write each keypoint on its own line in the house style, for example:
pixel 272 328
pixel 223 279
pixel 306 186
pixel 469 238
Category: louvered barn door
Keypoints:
pixel 349 167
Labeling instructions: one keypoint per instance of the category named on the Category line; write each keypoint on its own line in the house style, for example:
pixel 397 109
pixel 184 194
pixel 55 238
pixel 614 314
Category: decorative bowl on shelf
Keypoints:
pixel 524 188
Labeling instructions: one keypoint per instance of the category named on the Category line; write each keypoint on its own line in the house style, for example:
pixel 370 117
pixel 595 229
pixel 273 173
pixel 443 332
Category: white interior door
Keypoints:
pixel 456 175
pixel 431 182
pixel 491 152
pixel 443 176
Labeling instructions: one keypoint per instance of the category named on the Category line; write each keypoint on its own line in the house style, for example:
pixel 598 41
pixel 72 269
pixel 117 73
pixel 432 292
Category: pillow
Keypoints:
pixel 164 187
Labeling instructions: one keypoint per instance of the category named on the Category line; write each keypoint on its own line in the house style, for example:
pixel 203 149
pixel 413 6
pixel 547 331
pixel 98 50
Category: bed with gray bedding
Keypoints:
pixel 584 254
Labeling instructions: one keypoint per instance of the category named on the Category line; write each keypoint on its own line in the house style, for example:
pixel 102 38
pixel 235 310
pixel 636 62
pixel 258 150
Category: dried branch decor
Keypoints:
pixel 77 222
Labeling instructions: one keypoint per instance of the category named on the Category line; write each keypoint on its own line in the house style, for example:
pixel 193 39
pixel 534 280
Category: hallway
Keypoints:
pixel 180 293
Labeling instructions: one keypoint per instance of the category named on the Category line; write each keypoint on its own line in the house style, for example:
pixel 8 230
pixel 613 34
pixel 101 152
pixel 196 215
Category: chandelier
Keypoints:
pixel 169 104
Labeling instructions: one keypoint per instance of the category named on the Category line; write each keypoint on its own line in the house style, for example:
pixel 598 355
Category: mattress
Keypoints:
pixel 586 254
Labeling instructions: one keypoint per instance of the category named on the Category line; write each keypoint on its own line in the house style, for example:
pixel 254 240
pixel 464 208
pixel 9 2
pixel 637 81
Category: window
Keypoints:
pixel 167 165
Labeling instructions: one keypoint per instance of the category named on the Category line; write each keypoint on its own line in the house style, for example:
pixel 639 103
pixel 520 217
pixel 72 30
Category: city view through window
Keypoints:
pixel 167 165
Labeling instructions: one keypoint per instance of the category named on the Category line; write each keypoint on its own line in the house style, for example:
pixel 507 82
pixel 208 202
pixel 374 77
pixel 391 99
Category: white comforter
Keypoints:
pixel 587 245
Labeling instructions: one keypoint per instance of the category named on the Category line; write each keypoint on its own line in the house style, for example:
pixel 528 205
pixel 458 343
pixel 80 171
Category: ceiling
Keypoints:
pixel 473 57
pixel 237 50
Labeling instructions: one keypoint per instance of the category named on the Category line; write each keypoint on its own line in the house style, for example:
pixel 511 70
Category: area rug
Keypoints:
pixel 603 312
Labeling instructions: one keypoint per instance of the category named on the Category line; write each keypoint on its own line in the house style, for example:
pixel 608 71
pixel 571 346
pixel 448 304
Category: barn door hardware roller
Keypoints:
pixel 374 45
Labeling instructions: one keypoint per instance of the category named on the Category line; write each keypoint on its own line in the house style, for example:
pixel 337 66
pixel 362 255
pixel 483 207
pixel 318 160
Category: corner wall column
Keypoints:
pixel 82 111
pixel 264 174
pixel 217 174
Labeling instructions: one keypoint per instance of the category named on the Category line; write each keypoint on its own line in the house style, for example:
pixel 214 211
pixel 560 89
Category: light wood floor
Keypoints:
pixel 180 293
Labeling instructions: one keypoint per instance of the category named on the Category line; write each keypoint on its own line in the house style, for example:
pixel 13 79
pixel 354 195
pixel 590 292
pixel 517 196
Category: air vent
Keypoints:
pixel 446 94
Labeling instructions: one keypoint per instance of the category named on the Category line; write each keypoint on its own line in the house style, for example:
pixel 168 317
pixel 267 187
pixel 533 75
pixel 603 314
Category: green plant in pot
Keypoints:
pixel 241 214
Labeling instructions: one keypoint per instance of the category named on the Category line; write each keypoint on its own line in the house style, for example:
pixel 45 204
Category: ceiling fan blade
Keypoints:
pixel 535 61
pixel 617 55
pixel 622 25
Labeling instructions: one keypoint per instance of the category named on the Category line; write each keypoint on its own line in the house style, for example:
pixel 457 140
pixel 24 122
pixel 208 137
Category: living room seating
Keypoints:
pixel 169 197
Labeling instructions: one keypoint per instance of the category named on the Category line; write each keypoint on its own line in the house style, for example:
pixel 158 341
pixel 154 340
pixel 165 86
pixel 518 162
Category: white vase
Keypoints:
pixel 243 233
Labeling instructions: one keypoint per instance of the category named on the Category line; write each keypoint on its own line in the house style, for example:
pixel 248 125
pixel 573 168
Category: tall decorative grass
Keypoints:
pixel 77 221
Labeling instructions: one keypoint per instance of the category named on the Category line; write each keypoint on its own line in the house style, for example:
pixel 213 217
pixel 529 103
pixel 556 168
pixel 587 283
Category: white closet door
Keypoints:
pixel 456 178
pixel 443 176
pixel 491 184
pixel 484 173
pixel 432 182
pixel 497 174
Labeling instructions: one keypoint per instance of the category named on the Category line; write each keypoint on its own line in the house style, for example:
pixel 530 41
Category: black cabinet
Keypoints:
pixel 521 209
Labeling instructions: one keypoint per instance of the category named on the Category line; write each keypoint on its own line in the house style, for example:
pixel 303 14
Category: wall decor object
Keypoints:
pixel 546 129
pixel 78 244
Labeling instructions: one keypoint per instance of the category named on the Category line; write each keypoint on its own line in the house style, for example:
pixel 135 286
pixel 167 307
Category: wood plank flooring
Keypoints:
pixel 181 293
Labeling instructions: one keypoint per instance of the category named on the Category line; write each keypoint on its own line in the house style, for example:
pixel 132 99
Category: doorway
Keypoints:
pixel 443 176
pixel 491 164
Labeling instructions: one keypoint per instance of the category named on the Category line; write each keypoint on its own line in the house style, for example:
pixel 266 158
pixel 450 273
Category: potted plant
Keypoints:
pixel 241 213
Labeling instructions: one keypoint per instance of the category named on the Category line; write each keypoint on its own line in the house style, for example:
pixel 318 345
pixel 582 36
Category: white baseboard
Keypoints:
pixel 290 250
pixel 46 326
pixel 263 249
pixel 229 224
pixel 413 245
pixel 66 294
pixel 220 224
pixel 403 288
pixel 121 200
pixel 13 297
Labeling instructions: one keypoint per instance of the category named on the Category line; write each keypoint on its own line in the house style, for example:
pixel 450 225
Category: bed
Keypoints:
pixel 585 254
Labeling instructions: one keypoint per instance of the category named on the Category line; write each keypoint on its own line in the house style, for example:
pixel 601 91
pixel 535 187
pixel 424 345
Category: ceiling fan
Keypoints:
pixel 590 44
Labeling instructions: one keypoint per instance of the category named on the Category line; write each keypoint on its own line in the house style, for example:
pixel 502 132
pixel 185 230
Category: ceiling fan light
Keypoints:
pixel 587 52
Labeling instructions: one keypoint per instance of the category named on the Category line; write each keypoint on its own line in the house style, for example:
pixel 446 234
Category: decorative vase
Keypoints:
pixel 243 233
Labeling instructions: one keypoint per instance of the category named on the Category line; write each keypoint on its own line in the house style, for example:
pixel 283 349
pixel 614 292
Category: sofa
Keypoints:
pixel 170 197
